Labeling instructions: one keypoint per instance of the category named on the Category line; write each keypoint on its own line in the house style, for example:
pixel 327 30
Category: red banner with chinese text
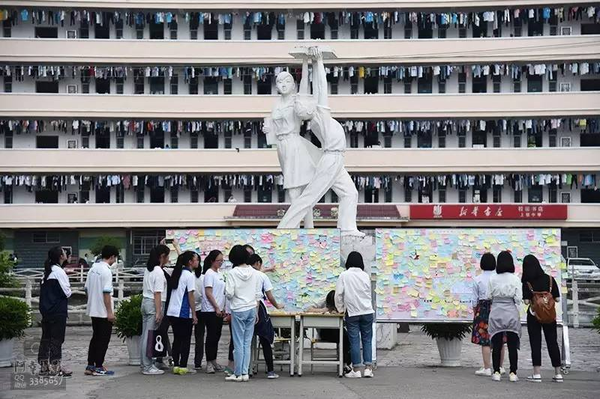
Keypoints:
pixel 489 211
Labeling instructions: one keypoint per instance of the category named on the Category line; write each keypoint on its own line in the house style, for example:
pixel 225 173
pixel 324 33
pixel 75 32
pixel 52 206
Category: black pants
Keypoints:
pixel 267 353
pixel 214 327
pixel 230 357
pixel 534 328
pixel 53 336
pixel 182 339
pixel 332 335
pixel 199 336
pixel 512 340
pixel 102 330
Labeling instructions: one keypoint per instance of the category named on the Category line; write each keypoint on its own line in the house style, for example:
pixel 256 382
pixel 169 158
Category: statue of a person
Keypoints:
pixel 330 172
pixel 297 156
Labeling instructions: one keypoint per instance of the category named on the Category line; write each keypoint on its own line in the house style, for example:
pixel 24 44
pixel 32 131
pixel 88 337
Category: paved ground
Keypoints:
pixel 408 371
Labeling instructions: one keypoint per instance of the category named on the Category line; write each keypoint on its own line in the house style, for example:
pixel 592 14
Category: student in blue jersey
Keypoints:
pixel 55 291
pixel 182 309
pixel 100 308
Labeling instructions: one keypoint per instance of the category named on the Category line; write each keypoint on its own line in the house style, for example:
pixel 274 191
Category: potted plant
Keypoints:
pixel 128 324
pixel 14 319
pixel 449 340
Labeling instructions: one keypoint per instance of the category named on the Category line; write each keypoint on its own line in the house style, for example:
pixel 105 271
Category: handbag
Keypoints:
pixel 158 344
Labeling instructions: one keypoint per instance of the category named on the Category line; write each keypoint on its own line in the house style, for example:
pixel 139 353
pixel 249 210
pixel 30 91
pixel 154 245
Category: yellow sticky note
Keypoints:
pixel 413 313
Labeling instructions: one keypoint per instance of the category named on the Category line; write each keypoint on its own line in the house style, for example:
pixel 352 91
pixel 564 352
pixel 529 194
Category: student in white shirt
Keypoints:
pixel 55 291
pixel 242 289
pixel 182 309
pixel 212 309
pixel 506 294
pixel 99 289
pixel 153 302
pixel 264 327
pixel 353 296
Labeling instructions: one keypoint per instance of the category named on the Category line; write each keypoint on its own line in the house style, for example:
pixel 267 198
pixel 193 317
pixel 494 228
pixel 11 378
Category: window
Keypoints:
pixel 497 140
pixel 173 30
pixel 371 195
pixel 85 84
pixel 354 84
pixel 247 194
pixel 102 86
pixel 262 140
pixel 174 83
pixel 534 84
pixel 8 84
pixel 138 82
pixel 317 31
pixel 248 139
pixel 371 31
pixel 552 83
pixel 157 85
pixel 553 138
pixel 193 85
pixel 139 32
pixel 46 142
pixel 441 85
pixel 535 27
pixel 46 87
pixel 211 140
pixel 408 31
pixel 7 28
pixel 8 195
pixel 265 194
pixel 517 85
pixel 211 30
pixel 462 33
pixel 120 142
pixel 482 29
pixel 424 140
pixel 45 237
pixel 497 83
pixel 479 138
pixel 425 29
pixel 280 194
pixel 442 140
pixel 497 195
pixel 174 194
pixel 140 142
pixel 334 85
pixel 157 195
pixel 120 194
pixel 589 236
pixel 102 31
pixel 103 139
pixel 442 32
pixel 119 28
pixel 442 195
pixel 174 140
pixel 498 31
pixel 371 84
pixel 518 196
pixel 300 30
pixel 281 32
pixel 194 140
pixel 8 140
pixel 120 82
pixel 46 197
pixel 157 139
pixel 228 139
pixel 462 196
pixel 407 141
pixel 552 194
pixel 462 140
pixel 194 196
pixel 590 85
pixel 227 86
pixel 46 32
pixel 480 84
pixel 227 31
pixel 354 32
pixel 84 30
pixel 590 29
pixel 247 84
pixel 517 140
pixel 84 192
pixel 407 195
pixel 193 34
pixel 264 85
pixel 425 84
pixel 462 82
pixel 353 140
pixel 387 140
pixel 518 28
pixel 536 194
pixel 553 30
pixel 264 32
pixel 211 86
pixel 85 141
pixel 140 194
pixel 387 32
pixel 387 85
pixel 144 241
pixel 407 85
pixel 102 195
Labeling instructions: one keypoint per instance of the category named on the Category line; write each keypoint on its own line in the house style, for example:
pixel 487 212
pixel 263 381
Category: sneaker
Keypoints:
pixel 191 371
pixel 161 366
pixel 484 372
pixel 176 370
pixel 496 376
pixel 534 378
pixel 228 371
pixel 245 378
pixel 89 370
pixel 152 371
pixel 502 370
pixel 513 377
pixel 180 370
pixel 210 369
pixel 368 373
pixel 65 372
pixel 353 374
pixel 101 371
pixel 272 376
pixel 233 378
pixel 558 378
pixel 347 369
pixel 217 366
pixel 197 367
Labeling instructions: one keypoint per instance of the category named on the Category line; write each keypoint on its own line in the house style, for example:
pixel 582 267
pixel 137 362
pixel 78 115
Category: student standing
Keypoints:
pixel 199 328
pixel 242 288
pixel 182 309
pixel 55 291
pixel 353 296
pixel 153 302
pixel 264 327
pixel 213 307
pixel 505 293
pixel 537 283
pixel 100 308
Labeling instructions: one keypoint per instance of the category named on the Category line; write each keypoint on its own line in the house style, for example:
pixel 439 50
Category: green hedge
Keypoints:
pixel 14 318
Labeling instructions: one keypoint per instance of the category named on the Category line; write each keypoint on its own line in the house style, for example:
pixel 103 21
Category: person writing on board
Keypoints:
pixel 327 305
pixel 505 292
pixel 538 286
pixel 353 297
pixel 481 313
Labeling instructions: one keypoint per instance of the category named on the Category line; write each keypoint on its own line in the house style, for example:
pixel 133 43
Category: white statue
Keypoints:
pixel 297 156
pixel 330 172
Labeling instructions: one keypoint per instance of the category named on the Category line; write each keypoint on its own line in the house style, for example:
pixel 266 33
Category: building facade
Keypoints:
pixel 124 118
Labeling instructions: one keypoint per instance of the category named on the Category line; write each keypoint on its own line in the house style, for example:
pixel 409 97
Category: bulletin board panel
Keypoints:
pixel 307 261
pixel 427 275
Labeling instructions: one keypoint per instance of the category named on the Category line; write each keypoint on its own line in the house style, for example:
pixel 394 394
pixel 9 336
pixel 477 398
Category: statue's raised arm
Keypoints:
pixel 319 77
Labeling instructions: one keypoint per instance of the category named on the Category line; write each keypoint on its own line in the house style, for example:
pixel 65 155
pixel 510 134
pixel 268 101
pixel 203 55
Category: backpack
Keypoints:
pixel 543 304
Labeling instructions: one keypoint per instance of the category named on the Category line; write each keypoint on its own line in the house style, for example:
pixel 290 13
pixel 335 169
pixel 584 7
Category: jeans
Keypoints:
pixel 102 330
pixel 148 325
pixel 214 326
pixel 243 330
pixel 512 341
pixel 182 339
pixel 53 336
pixel 534 329
pixel 362 325
pixel 199 337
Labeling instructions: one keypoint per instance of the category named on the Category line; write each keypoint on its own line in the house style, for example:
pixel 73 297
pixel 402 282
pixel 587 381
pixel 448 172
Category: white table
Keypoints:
pixel 313 320
pixel 281 320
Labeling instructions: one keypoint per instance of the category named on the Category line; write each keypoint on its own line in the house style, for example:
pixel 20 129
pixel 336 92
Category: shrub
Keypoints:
pixel 448 331
pixel 14 318
pixel 128 317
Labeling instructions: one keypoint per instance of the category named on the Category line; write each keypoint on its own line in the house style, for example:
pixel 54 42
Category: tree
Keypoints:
pixel 6 266
pixel 97 246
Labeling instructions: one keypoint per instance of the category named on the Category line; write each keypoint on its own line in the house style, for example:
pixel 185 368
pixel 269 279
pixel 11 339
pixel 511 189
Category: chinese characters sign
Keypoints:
pixel 489 211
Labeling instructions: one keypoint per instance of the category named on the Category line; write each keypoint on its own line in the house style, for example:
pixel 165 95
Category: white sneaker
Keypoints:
pixel 502 370
pixel 558 378
pixel 513 377
pixel 152 371
pixel 496 376
pixel 353 374
pixel 534 378
pixel 368 373
pixel 484 372
pixel 245 378
pixel 234 378
pixel 210 369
